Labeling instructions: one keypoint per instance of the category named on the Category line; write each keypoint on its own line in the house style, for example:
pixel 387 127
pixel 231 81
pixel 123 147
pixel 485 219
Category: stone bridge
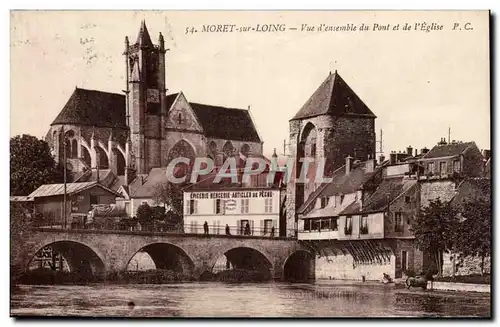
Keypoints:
pixel 103 252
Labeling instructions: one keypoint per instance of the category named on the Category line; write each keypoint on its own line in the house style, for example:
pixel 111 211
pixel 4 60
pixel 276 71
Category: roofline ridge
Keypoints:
pixel 100 91
pixel 310 97
pixel 219 106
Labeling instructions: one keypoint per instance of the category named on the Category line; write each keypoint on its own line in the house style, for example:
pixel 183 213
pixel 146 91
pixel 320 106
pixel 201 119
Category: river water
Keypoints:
pixel 321 299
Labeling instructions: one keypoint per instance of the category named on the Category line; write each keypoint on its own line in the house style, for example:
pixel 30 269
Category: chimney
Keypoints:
pixel 392 157
pixel 487 154
pixel 370 166
pixel 348 163
pixel 442 141
pixel 409 150
pixel 416 152
pixel 424 150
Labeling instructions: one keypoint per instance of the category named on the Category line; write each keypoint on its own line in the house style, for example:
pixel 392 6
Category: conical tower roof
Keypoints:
pixel 333 97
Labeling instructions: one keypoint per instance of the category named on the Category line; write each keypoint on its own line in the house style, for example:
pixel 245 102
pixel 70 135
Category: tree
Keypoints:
pixel 31 165
pixel 171 196
pixel 435 229
pixel 145 215
pixel 473 237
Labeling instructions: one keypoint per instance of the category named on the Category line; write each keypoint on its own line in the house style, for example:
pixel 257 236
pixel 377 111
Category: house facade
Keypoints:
pixel 48 201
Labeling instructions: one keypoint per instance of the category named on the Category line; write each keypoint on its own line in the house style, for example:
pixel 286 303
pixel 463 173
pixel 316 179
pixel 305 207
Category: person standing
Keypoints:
pixel 205 228
pixel 247 229
pixel 272 232
pixel 228 232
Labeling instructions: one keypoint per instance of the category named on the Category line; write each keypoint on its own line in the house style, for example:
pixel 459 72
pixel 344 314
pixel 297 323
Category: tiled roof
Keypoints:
pixel 22 198
pixel 93 108
pixel 342 183
pixel 448 150
pixel 145 187
pixel 226 123
pixel 71 188
pixel 388 190
pixel 333 97
pixel 169 100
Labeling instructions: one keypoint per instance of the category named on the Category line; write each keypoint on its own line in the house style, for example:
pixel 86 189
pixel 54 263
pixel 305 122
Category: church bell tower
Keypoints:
pixel 145 103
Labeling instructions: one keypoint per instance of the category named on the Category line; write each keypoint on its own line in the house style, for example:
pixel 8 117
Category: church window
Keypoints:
pixel 74 149
pixel 179 119
pixel 313 150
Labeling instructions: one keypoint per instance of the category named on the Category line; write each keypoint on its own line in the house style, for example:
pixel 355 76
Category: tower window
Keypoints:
pixel 179 119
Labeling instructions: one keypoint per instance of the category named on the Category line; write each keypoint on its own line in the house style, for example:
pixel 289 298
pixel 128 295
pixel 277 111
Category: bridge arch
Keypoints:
pixel 299 266
pixel 79 257
pixel 166 256
pixel 243 257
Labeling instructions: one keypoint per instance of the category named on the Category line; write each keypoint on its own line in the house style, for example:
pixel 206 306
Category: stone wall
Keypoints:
pixel 466 266
pixel 433 189
pixel 343 267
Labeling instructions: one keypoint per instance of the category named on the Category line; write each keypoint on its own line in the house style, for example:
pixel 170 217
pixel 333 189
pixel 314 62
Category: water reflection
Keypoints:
pixel 243 300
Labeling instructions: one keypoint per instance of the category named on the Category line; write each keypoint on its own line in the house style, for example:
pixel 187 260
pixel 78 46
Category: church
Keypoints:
pixel 118 139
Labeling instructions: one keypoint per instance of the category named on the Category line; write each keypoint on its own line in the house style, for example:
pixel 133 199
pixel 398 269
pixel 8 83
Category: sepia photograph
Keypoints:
pixel 265 164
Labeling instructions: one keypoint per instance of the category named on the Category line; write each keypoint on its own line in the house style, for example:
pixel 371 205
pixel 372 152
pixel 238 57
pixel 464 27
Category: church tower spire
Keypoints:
pixel 143 38
pixel 146 101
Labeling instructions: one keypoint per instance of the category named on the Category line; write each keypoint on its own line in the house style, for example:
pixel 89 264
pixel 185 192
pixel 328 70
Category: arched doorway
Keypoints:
pixel 299 267
pixel 161 256
pixel 68 258
pixel 305 149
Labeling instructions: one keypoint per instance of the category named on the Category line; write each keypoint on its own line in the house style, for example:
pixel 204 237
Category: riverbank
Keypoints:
pixel 400 284
pixel 156 276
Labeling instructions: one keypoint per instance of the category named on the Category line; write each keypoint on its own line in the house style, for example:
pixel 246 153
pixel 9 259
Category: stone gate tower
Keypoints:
pixel 145 104
pixel 332 125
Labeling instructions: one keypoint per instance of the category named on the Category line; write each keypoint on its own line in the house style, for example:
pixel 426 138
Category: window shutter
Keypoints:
pixel 215 206
pixel 275 225
pixel 238 227
pixel 262 227
pixel 251 227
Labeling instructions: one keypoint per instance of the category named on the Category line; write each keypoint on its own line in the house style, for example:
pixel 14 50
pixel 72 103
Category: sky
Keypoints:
pixel 418 83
